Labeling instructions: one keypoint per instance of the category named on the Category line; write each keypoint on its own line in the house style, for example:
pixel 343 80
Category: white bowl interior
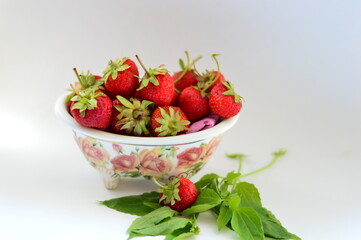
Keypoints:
pixel 62 112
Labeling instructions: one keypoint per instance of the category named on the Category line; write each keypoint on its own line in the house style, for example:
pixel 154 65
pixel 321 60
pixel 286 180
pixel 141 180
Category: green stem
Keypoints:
pixel 195 68
pixel 79 78
pixel 218 66
pixel 156 182
pixel 186 69
pixel 240 161
pixel 217 76
pixel 141 64
pixel 275 159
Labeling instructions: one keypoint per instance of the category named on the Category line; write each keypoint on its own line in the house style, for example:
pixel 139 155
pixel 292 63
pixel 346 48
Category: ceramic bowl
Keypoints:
pixel 119 157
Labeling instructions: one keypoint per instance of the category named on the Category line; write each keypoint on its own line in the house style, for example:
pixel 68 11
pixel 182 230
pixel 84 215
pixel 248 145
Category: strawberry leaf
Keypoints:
pixel 163 228
pixel 152 218
pixel 181 64
pixel 137 204
pixel 247 224
pixel 171 123
pixel 230 91
pixel 113 68
pixel 86 100
pixel 150 77
pixel 206 200
pixel 125 102
pixel 224 216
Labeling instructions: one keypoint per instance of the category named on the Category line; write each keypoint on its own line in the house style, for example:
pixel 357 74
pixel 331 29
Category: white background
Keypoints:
pixel 296 63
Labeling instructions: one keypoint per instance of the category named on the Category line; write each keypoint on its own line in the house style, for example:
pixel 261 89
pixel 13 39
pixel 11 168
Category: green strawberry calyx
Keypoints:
pixel 84 81
pixel 230 92
pixel 114 67
pixel 86 100
pixel 150 74
pixel 170 191
pixel 207 79
pixel 171 124
pixel 188 67
pixel 134 116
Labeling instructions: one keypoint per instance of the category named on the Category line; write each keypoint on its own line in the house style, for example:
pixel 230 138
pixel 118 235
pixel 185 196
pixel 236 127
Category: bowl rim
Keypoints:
pixel 63 114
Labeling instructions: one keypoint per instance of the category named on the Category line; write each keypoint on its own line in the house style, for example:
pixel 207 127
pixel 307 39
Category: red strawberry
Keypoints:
pixel 175 98
pixel 211 78
pixel 91 108
pixel 84 81
pixel 120 77
pixel 194 103
pixel 131 117
pixel 168 121
pixel 178 194
pixel 223 100
pixel 156 86
pixel 186 77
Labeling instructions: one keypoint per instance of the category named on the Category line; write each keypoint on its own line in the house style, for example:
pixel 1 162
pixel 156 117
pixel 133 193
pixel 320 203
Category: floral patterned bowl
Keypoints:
pixel 118 157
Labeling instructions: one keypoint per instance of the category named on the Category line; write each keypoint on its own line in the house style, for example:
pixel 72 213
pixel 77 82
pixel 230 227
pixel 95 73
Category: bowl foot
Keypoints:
pixel 111 183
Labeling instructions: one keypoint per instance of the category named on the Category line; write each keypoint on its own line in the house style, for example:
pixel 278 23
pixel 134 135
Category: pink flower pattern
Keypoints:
pixel 152 164
pixel 191 156
pixel 117 147
pixel 92 152
pixel 125 163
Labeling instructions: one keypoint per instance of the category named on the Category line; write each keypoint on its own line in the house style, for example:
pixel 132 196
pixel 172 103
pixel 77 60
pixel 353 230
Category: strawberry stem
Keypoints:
pixel 218 66
pixel 80 80
pixel 77 75
pixel 160 185
pixel 141 64
pixel 277 156
pixel 217 76
pixel 186 69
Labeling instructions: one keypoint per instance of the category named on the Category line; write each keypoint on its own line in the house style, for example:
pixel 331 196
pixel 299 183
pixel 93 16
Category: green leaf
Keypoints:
pixel 189 230
pixel 280 153
pixel 236 156
pixel 272 226
pixel 137 204
pixel 247 224
pixel 125 102
pixel 181 64
pixel 163 228
pixel 207 180
pixel 152 218
pixel 232 176
pixel 182 233
pixel 248 193
pixel 233 201
pixel 206 200
pixel 224 216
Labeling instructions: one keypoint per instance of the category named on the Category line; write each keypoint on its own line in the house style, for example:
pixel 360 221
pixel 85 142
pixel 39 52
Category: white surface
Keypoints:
pixel 297 64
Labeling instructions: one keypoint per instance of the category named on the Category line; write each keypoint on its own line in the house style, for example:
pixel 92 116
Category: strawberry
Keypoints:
pixel 131 117
pixel 224 101
pixel 175 98
pixel 178 194
pixel 156 86
pixel 209 79
pixel 194 103
pixel 168 121
pixel 91 108
pixel 187 77
pixel 84 81
pixel 120 77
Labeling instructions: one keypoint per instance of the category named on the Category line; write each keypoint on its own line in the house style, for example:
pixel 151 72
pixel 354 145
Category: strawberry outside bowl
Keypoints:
pixel 120 157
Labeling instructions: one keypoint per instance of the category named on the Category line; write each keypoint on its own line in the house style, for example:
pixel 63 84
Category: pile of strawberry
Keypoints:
pixel 156 104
